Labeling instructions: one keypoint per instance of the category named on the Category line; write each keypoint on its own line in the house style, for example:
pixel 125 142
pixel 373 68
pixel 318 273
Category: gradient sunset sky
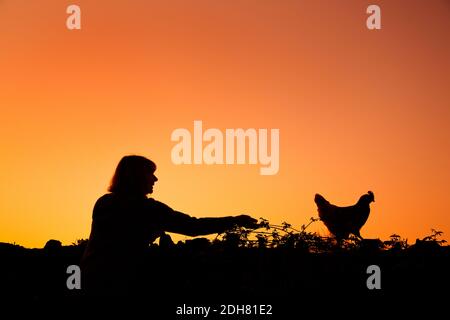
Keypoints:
pixel 357 110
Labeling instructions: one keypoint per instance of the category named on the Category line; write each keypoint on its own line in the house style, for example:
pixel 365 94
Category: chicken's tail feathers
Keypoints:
pixel 319 200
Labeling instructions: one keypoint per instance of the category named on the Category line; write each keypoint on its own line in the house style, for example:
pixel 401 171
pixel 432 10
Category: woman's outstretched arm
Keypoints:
pixel 179 222
pixel 174 221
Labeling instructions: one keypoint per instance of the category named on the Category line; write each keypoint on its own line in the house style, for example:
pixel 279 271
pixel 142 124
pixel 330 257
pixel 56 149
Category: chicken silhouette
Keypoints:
pixel 343 221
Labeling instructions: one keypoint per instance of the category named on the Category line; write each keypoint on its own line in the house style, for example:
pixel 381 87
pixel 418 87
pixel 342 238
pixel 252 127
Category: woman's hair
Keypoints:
pixel 131 175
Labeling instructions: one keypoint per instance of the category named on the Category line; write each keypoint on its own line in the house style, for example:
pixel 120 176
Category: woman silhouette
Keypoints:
pixel 125 222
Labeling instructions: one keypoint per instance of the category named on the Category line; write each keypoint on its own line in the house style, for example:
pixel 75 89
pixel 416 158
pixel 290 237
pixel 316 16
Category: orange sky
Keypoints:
pixel 357 110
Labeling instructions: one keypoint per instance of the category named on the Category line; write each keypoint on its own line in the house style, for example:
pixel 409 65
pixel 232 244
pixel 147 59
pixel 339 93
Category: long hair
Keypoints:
pixel 131 175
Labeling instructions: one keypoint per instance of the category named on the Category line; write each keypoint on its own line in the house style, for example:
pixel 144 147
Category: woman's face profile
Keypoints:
pixel 151 179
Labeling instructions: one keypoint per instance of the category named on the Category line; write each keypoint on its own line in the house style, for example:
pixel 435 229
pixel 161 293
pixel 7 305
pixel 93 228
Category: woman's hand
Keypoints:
pixel 246 221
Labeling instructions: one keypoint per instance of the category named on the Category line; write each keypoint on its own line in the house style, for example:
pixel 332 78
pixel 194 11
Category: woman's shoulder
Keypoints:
pixel 105 200
pixel 158 205
pixel 106 197
pixel 111 200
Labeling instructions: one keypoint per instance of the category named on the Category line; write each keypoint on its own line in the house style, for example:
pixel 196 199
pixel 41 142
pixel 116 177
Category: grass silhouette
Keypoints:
pixel 272 262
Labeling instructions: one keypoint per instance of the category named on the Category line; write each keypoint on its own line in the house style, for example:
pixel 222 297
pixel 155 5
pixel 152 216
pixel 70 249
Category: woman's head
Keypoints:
pixel 134 175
